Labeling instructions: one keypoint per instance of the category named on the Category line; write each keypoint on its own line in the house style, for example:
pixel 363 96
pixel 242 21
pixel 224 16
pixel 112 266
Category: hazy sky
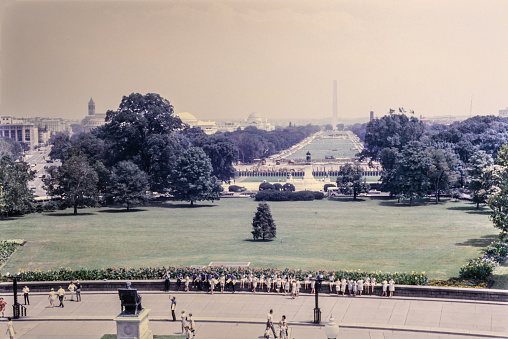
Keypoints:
pixel 226 59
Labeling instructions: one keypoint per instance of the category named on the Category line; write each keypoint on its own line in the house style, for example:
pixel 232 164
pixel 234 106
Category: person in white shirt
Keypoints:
pixel 391 287
pixel 25 294
pixel 269 322
pixel 183 316
pixel 52 297
pixel 71 289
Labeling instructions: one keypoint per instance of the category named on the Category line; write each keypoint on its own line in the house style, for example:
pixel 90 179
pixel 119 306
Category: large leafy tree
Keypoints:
pixel 16 196
pixel 60 144
pixel 390 131
pixel 498 201
pixel 350 180
pixel 128 185
pixel 262 224
pixel 141 130
pixel 442 170
pixel 192 179
pixel 222 152
pixel 408 178
pixel 11 148
pixel 481 176
pixel 75 182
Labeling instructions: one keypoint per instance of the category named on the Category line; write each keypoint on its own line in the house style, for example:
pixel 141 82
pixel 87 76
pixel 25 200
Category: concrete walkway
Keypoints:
pixel 243 315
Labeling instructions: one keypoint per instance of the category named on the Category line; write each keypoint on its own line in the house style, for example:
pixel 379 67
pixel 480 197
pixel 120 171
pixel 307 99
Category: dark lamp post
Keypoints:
pixel 15 306
pixel 317 311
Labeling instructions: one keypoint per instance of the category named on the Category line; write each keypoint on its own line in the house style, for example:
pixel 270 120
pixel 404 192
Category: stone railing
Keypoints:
pixel 158 285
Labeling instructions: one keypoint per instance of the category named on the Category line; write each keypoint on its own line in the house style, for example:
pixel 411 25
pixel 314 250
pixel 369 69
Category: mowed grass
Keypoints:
pixel 372 234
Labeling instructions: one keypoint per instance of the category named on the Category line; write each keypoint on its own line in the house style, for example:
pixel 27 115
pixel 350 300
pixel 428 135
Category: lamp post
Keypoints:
pixel 15 305
pixel 331 329
pixel 317 311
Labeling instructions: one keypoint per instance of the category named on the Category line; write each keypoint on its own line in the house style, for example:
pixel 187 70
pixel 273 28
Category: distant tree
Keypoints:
pixel 128 185
pixel 16 197
pixel 60 143
pixel 442 170
pixel 390 131
pixel 408 178
pixel 140 130
pixel 480 176
pixel 265 186
pixel 288 187
pixel 192 179
pixel 263 225
pixel 75 182
pixel 498 202
pixel 277 186
pixel 350 180
pixel 249 146
pixel 11 148
pixel 328 127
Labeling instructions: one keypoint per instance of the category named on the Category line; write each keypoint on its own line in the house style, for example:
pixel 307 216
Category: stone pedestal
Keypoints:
pixel 133 326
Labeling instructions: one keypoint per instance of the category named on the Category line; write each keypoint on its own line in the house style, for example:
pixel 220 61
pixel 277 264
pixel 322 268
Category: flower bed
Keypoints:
pixel 149 273
pixel 481 268
pixel 7 247
pixel 455 282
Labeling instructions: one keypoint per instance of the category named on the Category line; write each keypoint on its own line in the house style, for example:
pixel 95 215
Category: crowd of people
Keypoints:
pixel 286 284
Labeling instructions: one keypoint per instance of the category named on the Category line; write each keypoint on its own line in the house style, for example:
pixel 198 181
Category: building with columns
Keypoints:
pixel 93 120
pixel 20 131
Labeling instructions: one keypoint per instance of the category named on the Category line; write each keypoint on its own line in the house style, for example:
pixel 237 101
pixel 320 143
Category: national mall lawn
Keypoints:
pixel 369 234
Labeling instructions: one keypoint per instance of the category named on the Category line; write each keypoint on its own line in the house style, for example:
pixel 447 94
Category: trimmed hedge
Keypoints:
pixel 156 273
pixel 272 195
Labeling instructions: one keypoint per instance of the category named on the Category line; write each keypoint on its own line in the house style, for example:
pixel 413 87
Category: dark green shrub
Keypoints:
pixel 327 186
pixel 236 188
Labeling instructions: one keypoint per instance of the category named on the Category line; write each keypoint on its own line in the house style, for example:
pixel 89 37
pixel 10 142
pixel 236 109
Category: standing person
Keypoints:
pixel 254 284
pixel 360 286
pixel 25 294
pixel 313 286
pixel 10 329
pixel 343 284
pixel 52 297
pixel 212 285
pixel 183 316
pixel 269 322
pixel 187 281
pixel 166 281
pixel 78 291
pixel 306 281
pixel 3 303
pixel 367 285
pixel 192 324
pixel 188 333
pixel 391 287
pixel 385 285
pixel 173 307
pixel 372 283
pixel 222 283
pixel 350 286
pixel 355 288
pixel 61 295
pixel 287 287
pixel 268 284
pixel 298 286
pixel 331 280
pixel 71 289
pixel 179 278
pixel 283 328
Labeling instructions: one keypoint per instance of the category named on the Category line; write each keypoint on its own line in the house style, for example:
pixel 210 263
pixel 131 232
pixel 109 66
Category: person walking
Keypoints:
pixel 3 303
pixel 192 325
pixel 173 307
pixel 52 297
pixel 78 291
pixel 72 289
pixel 269 322
pixel 183 317
pixel 61 295
pixel 10 328
pixel 25 295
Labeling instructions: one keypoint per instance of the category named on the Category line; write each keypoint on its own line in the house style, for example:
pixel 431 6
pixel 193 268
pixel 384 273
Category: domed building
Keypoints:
pixel 257 121
pixel 209 127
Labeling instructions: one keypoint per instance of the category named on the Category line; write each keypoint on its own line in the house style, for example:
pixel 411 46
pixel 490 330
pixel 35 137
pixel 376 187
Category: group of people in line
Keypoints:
pixel 279 283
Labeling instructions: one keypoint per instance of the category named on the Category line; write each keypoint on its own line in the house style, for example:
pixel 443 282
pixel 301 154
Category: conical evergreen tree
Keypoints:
pixel 263 224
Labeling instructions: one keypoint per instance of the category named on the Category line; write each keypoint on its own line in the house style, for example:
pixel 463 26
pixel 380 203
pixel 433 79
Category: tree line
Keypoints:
pixel 418 159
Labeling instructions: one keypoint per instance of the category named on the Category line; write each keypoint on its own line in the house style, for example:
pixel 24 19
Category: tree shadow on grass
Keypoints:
pixel 395 203
pixel 67 214
pixel 259 240
pixel 348 199
pixel 11 217
pixel 122 210
pixel 183 205
pixel 484 241
pixel 471 209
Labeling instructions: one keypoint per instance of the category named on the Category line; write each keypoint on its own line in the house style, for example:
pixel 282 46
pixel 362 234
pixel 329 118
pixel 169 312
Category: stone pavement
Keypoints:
pixel 243 315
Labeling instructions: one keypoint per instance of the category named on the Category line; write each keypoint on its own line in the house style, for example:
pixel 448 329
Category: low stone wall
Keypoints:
pixel 158 285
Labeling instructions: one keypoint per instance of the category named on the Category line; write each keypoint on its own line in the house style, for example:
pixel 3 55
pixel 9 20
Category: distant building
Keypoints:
pixel 257 121
pixel 209 127
pixel 93 120
pixel 371 115
pixel 20 131
pixel 50 126
pixel 503 113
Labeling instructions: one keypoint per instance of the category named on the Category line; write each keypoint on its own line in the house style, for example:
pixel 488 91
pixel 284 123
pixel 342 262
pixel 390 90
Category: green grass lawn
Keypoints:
pixel 372 234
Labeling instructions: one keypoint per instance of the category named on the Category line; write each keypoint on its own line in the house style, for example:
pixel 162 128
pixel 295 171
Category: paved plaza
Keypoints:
pixel 243 315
